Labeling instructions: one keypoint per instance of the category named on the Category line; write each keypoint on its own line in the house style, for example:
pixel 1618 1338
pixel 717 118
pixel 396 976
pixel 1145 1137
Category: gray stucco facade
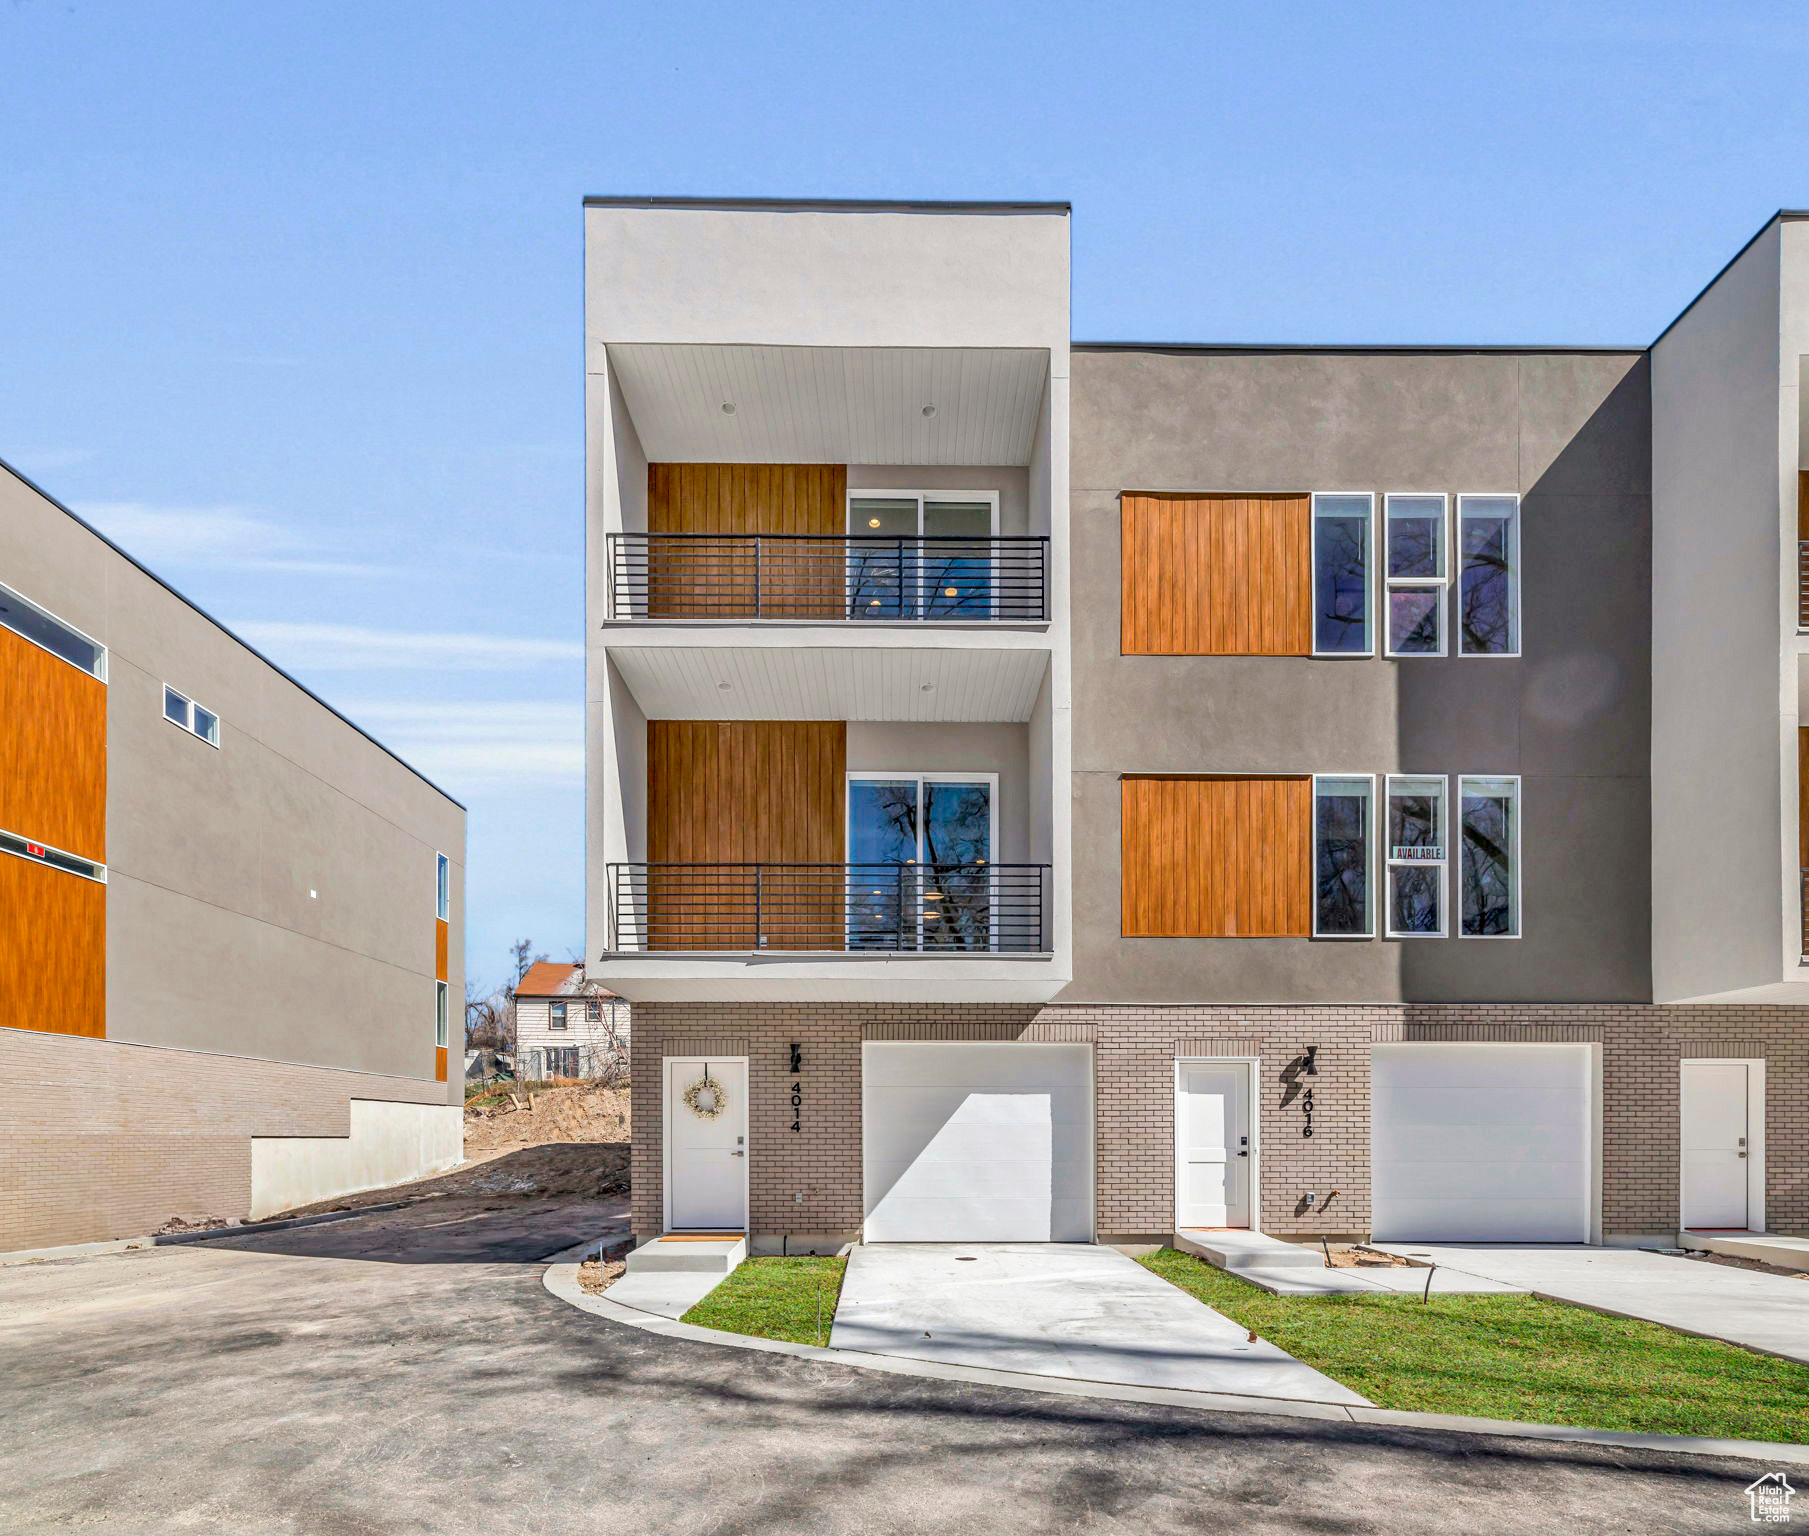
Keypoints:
pixel 1570 432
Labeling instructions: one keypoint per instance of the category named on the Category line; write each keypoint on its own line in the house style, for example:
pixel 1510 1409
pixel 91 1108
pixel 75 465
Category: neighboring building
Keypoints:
pixel 1068 792
pixel 566 1026
pixel 230 922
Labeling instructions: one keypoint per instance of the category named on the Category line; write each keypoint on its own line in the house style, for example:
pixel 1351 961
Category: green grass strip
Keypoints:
pixel 1516 1357
pixel 790 1299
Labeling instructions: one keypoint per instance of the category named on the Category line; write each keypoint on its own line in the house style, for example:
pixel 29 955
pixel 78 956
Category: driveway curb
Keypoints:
pixel 561 1280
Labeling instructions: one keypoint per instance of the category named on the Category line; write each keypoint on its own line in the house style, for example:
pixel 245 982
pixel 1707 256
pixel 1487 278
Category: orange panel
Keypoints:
pixel 1216 575
pixel 439 1063
pixel 1227 857
pixel 53 949
pixel 442 939
pixel 53 750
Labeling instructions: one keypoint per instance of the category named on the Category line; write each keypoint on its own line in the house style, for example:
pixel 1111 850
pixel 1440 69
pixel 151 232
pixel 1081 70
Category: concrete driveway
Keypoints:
pixel 1765 1312
pixel 408 1373
pixel 1058 1309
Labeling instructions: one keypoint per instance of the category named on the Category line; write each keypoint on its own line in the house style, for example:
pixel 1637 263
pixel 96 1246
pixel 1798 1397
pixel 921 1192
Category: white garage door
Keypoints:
pixel 977 1143
pixel 1481 1143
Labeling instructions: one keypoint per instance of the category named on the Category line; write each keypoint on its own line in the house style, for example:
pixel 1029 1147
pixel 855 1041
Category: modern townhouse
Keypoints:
pixel 231 951
pixel 1044 791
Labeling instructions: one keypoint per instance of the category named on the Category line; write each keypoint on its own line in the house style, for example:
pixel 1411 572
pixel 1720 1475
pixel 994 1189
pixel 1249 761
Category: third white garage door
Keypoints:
pixel 975 1142
pixel 1482 1143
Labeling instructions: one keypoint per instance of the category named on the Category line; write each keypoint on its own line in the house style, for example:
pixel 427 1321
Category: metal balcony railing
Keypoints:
pixel 1802 584
pixel 943 909
pixel 792 578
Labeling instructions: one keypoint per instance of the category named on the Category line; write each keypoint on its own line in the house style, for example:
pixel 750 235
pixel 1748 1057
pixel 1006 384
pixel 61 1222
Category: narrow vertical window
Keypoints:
pixel 442 901
pixel 1418 574
pixel 1341 537
pixel 1490 857
pixel 1341 860
pixel 440 1007
pixel 1416 856
pixel 1488 580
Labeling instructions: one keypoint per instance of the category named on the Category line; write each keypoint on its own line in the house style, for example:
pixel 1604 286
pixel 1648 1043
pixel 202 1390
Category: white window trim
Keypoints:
pixel 442 887
pixel 1443 865
pixel 99 875
pixel 1371 884
pixel 873 493
pixel 1369 578
pixel 189 705
pixel 1391 584
pixel 1513 573
pixel 442 1015
pixel 991 780
pixel 100 661
pixel 1513 855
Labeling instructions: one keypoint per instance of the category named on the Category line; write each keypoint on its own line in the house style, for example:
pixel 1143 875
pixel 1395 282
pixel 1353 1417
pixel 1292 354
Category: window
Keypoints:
pixel 1488 579
pixel 921 554
pixel 555 1015
pixel 1416 856
pixel 1490 857
pixel 593 1012
pixel 43 853
pixel 27 619
pixel 441 1002
pixel 1417 572
pixel 180 710
pixel 1341 837
pixel 442 877
pixel 1341 537
pixel 920 860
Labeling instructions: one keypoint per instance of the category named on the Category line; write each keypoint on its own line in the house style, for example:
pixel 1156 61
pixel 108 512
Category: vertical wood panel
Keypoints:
pixel 442 944
pixel 53 750
pixel 1223 857
pixel 53 950
pixel 1223 575
pixel 745 792
pixel 747 498
pixel 439 1063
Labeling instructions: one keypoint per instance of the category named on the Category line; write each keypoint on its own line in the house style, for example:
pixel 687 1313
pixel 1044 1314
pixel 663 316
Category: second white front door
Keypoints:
pixel 1716 1144
pixel 706 1144
pixel 1212 1127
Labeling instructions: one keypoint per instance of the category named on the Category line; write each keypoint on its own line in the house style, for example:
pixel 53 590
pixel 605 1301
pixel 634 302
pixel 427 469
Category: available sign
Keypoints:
pixel 1418 853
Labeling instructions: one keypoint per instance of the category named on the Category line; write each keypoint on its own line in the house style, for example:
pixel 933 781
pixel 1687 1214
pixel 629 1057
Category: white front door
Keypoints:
pixel 1212 1125
pixel 1715 1144
pixel 706 1154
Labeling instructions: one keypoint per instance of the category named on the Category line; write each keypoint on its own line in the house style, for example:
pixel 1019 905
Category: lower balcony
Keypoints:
pixel 946 911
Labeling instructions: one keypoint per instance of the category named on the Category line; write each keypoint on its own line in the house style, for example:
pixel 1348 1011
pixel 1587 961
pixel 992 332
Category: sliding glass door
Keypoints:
pixel 920 556
pixel 920 857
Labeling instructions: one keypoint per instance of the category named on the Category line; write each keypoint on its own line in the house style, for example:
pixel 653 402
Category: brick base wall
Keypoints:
pixel 1134 1054
pixel 102 1139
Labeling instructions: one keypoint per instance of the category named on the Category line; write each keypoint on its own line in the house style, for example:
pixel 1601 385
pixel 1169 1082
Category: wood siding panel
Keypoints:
pixel 442 944
pixel 53 750
pixel 744 792
pixel 724 578
pixel 53 950
pixel 1217 857
pixel 439 1063
pixel 1221 575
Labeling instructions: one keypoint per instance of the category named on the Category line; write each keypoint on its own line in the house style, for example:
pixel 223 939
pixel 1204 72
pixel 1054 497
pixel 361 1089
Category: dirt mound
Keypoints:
pixel 584 1112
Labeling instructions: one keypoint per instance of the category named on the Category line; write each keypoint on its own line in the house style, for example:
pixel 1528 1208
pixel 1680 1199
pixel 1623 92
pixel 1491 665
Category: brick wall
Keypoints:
pixel 1135 1050
pixel 102 1139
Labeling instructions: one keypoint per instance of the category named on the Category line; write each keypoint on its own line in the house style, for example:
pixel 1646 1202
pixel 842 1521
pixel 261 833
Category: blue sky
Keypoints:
pixel 290 293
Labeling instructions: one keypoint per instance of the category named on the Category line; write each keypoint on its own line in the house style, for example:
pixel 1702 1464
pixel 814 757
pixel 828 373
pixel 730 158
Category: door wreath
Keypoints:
pixel 711 1108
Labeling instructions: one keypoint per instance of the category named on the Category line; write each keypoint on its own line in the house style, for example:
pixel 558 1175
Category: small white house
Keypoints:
pixel 566 1026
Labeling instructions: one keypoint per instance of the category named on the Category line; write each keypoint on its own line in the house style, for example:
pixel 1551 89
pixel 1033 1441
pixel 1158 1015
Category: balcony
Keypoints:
pixel 941 910
pixel 1802 585
pixel 806 578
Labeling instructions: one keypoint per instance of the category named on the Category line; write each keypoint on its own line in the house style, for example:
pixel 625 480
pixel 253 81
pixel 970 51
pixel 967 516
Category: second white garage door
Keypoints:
pixel 1481 1143
pixel 977 1142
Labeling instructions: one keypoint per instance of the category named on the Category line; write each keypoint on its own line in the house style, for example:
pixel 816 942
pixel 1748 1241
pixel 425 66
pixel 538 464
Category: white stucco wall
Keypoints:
pixel 389 1143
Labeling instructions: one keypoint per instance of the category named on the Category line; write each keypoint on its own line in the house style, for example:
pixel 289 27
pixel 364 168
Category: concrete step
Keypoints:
pixel 685 1253
pixel 1766 1247
pixel 1236 1249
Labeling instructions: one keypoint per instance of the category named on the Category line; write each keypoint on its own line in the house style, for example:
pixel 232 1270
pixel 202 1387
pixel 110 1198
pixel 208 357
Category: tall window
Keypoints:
pixel 1490 857
pixel 921 555
pixel 1341 537
pixel 1341 835
pixel 1417 574
pixel 555 1016
pixel 920 855
pixel 441 1006
pixel 442 879
pixel 1416 856
pixel 1488 581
